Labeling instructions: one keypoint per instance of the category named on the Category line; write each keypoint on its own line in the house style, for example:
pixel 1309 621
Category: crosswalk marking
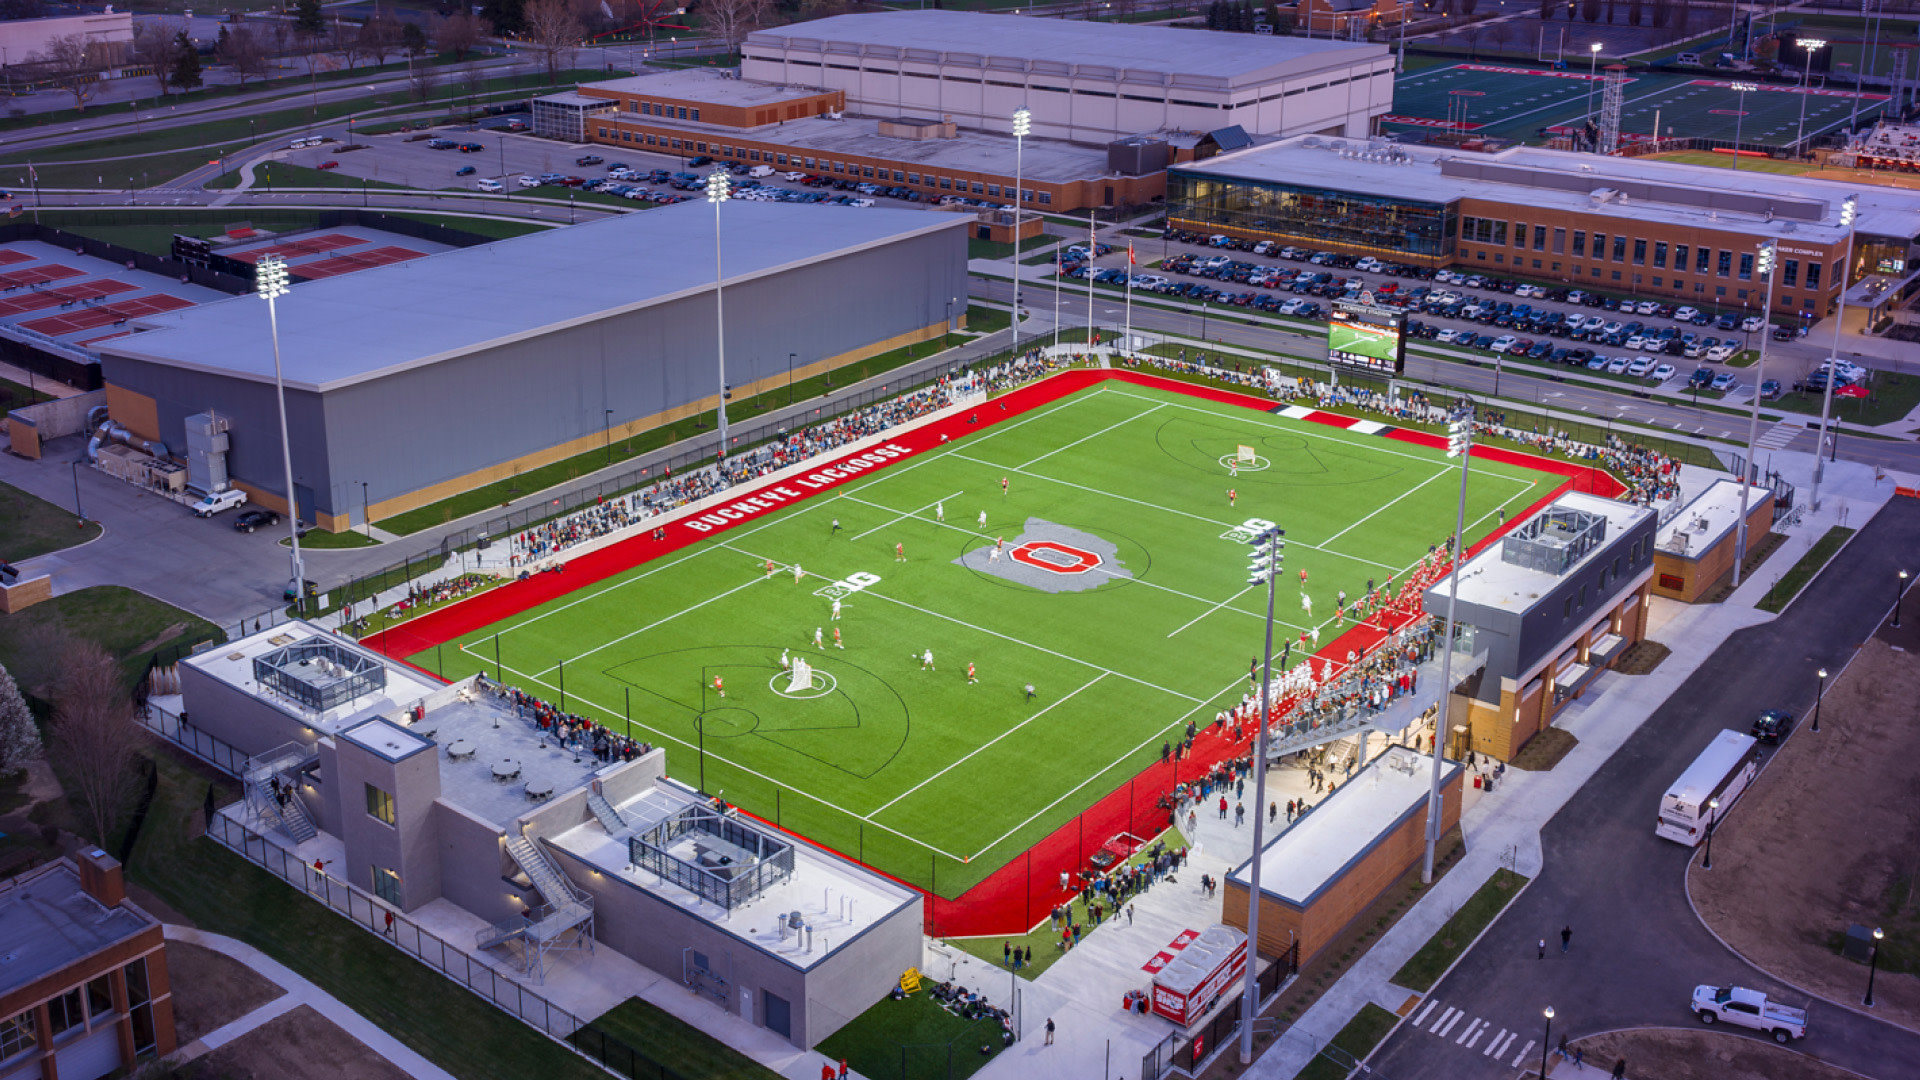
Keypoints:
pixel 1422 1018
pixel 1471 1025
pixel 1497 1040
pixel 1444 1017
pixel 1780 434
pixel 1517 1058
pixel 1475 1041
pixel 1500 1051
pixel 1449 1027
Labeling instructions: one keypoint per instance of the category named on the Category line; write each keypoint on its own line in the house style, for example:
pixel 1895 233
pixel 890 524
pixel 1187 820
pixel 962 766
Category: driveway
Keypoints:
pixel 1638 949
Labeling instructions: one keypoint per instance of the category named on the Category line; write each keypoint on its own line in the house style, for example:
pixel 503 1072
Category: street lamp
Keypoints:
pixel 270 283
pixel 1740 117
pixel 366 509
pixel 1812 45
pixel 1849 209
pixel 1460 445
pixel 1269 551
pixel 719 189
pixel 1899 593
pixel 1713 817
pixel 1022 125
pixel 1873 964
pixel 1546 1040
pixel 1818 697
pixel 1768 254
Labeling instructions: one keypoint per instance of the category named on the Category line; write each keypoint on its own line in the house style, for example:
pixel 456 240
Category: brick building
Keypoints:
pixel 1695 550
pixel 1651 228
pixel 83 988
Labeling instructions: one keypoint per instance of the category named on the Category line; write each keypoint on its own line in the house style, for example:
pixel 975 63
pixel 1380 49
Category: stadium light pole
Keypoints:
pixel 270 283
pixel 1593 73
pixel 1022 125
pixel 1769 254
pixel 1740 118
pixel 1269 551
pixel 1460 445
pixel 719 190
pixel 1811 45
pixel 1849 209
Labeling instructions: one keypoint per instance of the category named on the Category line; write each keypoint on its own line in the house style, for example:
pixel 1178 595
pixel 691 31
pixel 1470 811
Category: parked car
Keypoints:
pixel 1770 389
pixel 255 519
pixel 487 183
pixel 464 170
pixel 1751 1009
pixel 1725 381
pixel 1772 726
pixel 216 501
pixel 1701 376
pixel 1662 373
pixel 589 159
pixel 1752 323
pixel 329 164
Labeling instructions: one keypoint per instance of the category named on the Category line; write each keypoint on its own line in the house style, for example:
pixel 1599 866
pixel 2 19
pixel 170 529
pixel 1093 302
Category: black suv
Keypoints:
pixel 1772 726
pixel 255 519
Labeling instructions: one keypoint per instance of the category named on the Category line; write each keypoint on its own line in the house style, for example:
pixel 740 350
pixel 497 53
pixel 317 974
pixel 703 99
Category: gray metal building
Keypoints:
pixel 434 376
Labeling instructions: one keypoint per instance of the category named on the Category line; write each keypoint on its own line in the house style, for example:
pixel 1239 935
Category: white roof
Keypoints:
pixel 1112 51
pixel 700 84
pixel 1415 172
pixel 1315 849
pixel 386 319
pixel 387 739
pixel 1491 581
pixel 1711 515
pixel 232 663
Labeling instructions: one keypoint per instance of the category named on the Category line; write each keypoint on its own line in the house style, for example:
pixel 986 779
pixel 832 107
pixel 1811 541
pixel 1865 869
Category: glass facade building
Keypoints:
pixel 1406 230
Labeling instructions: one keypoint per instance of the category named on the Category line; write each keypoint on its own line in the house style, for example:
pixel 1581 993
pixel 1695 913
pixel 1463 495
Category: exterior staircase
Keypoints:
pixel 281 765
pixel 564 921
pixel 610 818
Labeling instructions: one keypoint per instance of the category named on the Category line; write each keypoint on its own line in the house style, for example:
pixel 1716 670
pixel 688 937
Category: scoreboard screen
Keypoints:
pixel 1368 338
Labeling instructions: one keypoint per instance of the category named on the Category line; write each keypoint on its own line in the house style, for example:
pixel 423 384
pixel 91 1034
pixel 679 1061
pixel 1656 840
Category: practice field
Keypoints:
pixel 1120 595
pixel 1517 102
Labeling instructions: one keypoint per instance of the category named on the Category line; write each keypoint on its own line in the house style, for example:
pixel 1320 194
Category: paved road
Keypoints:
pixel 1638 950
pixel 1476 378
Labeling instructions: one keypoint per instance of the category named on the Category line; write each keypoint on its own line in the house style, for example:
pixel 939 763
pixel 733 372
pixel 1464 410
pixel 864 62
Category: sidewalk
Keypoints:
pixel 1503 828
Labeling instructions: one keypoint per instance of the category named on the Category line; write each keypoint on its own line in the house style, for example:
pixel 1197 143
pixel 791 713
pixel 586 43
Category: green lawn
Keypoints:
pixel 1134 645
pixel 1805 570
pixel 321 540
pixel 1894 396
pixel 995 249
pixel 32 526
pixel 287 175
pixel 129 625
pixel 986 320
pixel 668 1040
pixel 504 491
pixel 1426 966
pixel 1356 1040
pixel 914 1039
pixel 1725 161
pixel 15 395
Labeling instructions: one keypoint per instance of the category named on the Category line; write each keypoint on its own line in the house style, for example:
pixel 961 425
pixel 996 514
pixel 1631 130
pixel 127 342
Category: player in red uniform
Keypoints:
pixel 719 687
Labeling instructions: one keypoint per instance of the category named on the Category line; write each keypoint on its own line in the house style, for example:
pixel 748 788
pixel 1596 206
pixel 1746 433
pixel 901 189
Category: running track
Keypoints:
pixel 1007 901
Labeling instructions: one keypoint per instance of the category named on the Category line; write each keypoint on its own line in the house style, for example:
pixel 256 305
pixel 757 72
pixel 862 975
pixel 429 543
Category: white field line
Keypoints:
pixel 1385 506
pixel 902 514
pixel 664 619
pixel 983 746
pixel 1215 608
pixel 1097 773
pixel 1304 430
pixel 1006 637
pixel 532 680
pixel 1095 435
pixel 1166 509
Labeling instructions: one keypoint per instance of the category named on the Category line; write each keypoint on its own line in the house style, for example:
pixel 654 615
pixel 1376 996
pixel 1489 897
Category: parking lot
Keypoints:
pixel 1655 346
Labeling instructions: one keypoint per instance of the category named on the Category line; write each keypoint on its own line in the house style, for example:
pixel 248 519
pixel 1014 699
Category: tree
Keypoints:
pixel 554 30
pixel 94 740
pixel 732 20
pixel 154 45
pixel 241 50
pixel 308 19
pixel 1634 13
pixel 413 39
pixel 1546 10
pixel 1467 6
pixel 19 738
pixel 1590 10
pixel 459 33
pixel 74 63
pixel 346 40
pixel 507 16
pixel 185 73
pixel 379 36
pixel 426 80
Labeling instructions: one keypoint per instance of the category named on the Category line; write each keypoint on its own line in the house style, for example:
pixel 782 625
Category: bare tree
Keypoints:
pixel 426 79
pixel 379 37
pixel 19 738
pixel 732 20
pixel 94 740
pixel 74 64
pixel 154 46
pixel 554 30
pixel 459 33
pixel 242 51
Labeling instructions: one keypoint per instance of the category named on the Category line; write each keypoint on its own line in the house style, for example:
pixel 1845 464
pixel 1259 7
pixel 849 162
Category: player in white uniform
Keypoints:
pixel 786 662
pixel 817 639
pixel 926 661
pixel 798 573
pixel 983 519
pixel 940 511
pixel 836 609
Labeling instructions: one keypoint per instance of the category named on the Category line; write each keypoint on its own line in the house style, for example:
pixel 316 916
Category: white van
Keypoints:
pixel 487 184
pixel 760 170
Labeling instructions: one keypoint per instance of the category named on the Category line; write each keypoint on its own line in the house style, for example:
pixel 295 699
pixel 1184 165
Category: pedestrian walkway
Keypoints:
pixel 298 992
pixel 1440 1020
pixel 1781 433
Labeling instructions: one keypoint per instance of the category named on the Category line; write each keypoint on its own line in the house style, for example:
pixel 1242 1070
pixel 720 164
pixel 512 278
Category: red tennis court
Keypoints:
pixel 293 249
pixel 106 314
pixel 8 257
pixel 46 298
pixel 36 275
pixel 359 260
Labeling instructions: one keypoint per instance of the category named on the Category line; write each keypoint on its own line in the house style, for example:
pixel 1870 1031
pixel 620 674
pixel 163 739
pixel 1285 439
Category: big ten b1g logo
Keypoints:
pixel 848 585
pixel 1244 532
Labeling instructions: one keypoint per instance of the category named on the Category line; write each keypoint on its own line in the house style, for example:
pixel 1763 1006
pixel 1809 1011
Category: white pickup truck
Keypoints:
pixel 1749 1008
pixel 217 501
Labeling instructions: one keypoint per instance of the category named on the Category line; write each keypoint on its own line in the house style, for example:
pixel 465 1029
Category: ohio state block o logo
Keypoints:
pixel 1055 557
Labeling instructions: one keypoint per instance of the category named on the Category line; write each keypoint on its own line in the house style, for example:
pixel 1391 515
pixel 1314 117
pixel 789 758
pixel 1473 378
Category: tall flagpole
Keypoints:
pixel 1126 341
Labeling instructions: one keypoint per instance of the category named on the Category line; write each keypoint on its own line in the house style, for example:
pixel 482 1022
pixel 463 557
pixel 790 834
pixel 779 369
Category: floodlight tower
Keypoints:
pixel 1768 254
pixel 1269 552
pixel 1741 88
pixel 719 190
pixel 1022 125
pixel 1460 445
pixel 270 284
pixel 1849 209
pixel 1811 45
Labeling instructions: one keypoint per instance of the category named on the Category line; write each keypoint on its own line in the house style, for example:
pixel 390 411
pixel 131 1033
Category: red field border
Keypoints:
pixel 1007 900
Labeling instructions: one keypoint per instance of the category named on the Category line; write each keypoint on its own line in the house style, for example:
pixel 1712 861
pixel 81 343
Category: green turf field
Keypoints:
pixel 918 771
